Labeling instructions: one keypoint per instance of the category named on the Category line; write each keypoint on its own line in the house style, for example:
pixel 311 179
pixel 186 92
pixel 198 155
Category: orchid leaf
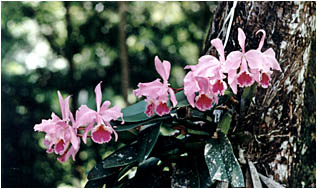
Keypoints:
pixel 147 141
pixel 98 172
pixel 135 112
pixel 247 95
pixel 270 182
pixel 123 156
pixel 112 164
pixel 144 123
pixel 221 162
pixel 181 99
pixel 225 122
pixel 254 175
pixel 99 183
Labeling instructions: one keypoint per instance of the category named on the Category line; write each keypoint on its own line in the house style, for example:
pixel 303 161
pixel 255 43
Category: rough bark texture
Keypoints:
pixel 275 117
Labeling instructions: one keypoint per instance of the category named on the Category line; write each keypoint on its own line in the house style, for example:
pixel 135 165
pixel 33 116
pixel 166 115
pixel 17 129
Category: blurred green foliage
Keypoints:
pixel 71 46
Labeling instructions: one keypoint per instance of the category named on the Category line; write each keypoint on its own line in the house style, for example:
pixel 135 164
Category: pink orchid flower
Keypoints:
pixel 206 79
pixel 157 93
pixel 98 122
pixel 262 72
pixel 59 133
pixel 243 61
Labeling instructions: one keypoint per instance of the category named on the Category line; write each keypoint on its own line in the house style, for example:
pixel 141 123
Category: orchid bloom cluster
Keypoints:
pixel 206 80
pixel 203 84
pixel 62 135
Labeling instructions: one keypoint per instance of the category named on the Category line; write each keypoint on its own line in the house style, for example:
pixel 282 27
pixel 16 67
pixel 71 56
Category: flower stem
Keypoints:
pixel 81 135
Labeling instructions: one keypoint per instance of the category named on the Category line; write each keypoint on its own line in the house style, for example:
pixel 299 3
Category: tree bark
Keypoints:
pixel 275 117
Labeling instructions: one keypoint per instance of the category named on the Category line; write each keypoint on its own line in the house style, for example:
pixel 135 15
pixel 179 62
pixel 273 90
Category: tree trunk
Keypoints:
pixel 123 53
pixel 275 118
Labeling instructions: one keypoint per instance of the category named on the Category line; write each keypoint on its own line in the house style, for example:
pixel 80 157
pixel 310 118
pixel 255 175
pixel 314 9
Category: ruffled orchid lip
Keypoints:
pixel 204 102
pixel 218 87
pixel 149 111
pixel 101 134
pixel 162 109
pixel 60 147
pixel 265 80
pixel 244 79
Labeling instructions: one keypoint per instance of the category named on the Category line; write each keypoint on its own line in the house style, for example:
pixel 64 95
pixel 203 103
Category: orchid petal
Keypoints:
pixel 217 43
pixel 190 87
pixel 71 152
pixel 172 96
pixel 232 80
pixel 148 89
pixel 254 58
pixel 84 115
pixel 112 131
pixel 98 95
pixel 207 59
pixel 163 68
pixel 262 39
pixel 111 114
pixel 270 57
pixel 62 104
pixel 88 128
pixel 105 106
pixel 233 61
pixel 74 139
pixel 256 74
pixel 66 109
pixel 203 84
pixel 241 39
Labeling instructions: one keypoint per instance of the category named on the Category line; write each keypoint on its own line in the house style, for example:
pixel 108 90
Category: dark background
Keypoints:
pixel 71 46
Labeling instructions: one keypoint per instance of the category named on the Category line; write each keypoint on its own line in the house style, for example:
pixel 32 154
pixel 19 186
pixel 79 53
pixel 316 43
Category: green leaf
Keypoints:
pixel 98 172
pixel 249 92
pixel 123 156
pixel 222 164
pixel 270 182
pixel 181 99
pixel 95 183
pixel 225 122
pixel 145 123
pixel 147 140
pixel 247 95
pixel 149 174
pixel 99 183
pixel 113 162
pixel 135 112
pixel 254 175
